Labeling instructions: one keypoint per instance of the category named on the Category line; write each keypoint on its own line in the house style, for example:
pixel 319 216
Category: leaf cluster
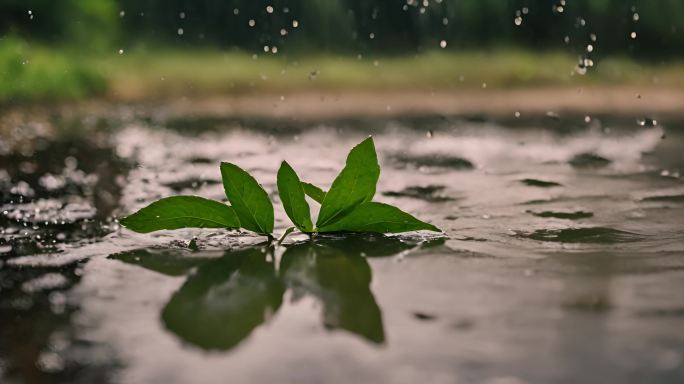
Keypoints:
pixel 346 207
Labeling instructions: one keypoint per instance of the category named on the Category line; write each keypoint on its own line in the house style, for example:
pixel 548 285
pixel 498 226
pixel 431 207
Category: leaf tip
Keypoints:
pixel 285 165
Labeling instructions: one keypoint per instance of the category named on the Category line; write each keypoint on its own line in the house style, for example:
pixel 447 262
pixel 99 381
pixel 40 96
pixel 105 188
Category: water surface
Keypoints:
pixel 562 260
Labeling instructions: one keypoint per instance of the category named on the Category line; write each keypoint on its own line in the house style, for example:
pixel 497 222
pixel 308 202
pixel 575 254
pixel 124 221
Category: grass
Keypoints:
pixel 49 74
pixel 140 75
pixel 34 73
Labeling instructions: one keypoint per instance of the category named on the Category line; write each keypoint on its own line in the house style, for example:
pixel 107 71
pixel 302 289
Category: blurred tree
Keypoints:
pixel 357 25
pixel 82 22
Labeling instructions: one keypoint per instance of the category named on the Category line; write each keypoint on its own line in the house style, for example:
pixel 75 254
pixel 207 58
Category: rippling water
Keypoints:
pixel 563 259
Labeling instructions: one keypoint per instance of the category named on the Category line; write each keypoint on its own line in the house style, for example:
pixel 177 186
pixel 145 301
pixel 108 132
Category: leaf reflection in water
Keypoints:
pixel 228 295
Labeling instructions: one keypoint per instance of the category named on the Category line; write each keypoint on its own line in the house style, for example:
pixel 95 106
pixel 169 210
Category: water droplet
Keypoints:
pixel 633 35
pixel 518 20
pixel 583 64
pixel 122 13
pixel 181 15
pixel 647 122
pixel 517 114
pixel 558 8
pixel 443 44
pixel 590 48
pixel 429 134
pixel 295 23
pixel 269 9
pixel 553 115
pixel 251 22
pixel 180 31
pixel 121 51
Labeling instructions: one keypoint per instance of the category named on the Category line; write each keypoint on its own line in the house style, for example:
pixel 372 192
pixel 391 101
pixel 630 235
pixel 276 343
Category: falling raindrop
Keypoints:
pixel 180 31
pixel 443 44
pixel 559 7
pixel 633 35
pixel 269 9
pixel 647 122
pixel 583 65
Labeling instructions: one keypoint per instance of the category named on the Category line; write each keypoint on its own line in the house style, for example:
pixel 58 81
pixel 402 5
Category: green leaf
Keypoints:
pixel 353 186
pixel 314 192
pixel 292 196
pixel 182 212
pixel 248 198
pixel 380 218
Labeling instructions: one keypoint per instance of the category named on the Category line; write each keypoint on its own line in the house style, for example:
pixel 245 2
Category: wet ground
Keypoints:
pixel 562 260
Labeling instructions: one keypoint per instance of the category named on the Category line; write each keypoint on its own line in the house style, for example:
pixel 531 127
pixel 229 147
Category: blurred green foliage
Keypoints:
pixel 35 73
pixel 72 48
pixel 91 24
pixel 355 25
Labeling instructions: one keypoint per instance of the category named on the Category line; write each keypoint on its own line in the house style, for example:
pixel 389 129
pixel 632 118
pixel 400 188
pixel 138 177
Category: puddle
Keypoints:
pixel 569 215
pixel 598 235
pixel 431 193
pixel 539 257
pixel 589 160
pixel 540 183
